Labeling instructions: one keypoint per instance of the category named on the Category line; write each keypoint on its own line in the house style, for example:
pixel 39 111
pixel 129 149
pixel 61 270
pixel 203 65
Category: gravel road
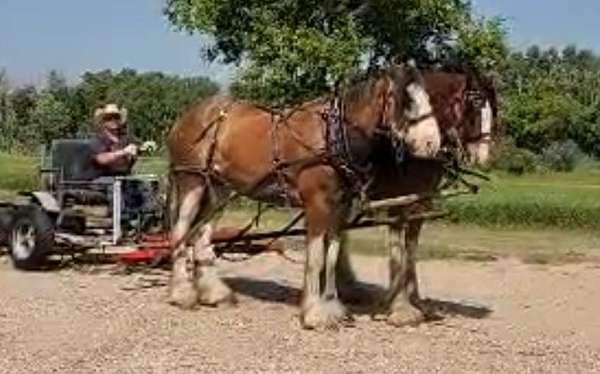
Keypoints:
pixel 500 317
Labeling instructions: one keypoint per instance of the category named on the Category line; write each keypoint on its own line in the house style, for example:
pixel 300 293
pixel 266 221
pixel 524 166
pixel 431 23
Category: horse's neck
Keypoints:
pixel 353 130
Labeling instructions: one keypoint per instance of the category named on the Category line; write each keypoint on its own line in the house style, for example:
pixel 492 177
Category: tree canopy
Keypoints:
pixel 551 96
pixel 292 50
pixel 30 116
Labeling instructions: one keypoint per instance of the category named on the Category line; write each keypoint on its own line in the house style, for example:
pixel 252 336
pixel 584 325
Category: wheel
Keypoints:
pixel 6 219
pixel 32 237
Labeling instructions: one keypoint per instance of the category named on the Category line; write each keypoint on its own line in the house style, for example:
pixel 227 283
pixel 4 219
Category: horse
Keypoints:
pixel 465 105
pixel 311 157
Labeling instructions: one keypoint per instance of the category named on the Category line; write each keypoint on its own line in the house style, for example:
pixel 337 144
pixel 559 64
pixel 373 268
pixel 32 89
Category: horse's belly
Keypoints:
pixel 275 193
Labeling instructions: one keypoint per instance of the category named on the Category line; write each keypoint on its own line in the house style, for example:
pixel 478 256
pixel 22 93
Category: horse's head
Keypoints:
pixel 395 102
pixel 480 120
pixel 465 106
pixel 409 112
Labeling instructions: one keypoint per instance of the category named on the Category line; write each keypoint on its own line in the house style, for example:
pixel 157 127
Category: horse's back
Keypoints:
pixel 184 139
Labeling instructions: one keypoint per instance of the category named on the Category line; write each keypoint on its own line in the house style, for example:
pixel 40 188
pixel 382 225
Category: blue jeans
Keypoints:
pixel 137 196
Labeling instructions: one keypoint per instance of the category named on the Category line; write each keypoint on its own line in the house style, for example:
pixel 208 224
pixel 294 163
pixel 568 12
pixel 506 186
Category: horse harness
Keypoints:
pixel 337 153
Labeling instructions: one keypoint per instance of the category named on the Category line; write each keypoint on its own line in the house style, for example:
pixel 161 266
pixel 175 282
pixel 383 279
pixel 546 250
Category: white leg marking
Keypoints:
pixel 321 311
pixel 211 289
pixel 313 268
pixel 181 288
pixel 333 251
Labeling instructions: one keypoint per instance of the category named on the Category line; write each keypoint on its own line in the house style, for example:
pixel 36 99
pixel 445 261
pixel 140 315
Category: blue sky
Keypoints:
pixel 77 35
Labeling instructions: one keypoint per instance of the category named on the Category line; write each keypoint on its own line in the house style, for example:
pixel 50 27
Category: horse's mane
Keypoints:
pixel 361 85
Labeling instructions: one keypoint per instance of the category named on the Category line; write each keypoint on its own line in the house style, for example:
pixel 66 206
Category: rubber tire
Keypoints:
pixel 6 219
pixel 43 227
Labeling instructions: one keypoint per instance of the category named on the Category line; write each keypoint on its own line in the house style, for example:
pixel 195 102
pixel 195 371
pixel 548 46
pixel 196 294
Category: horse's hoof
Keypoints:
pixel 183 295
pixel 405 315
pixel 225 301
pixel 218 295
pixel 328 315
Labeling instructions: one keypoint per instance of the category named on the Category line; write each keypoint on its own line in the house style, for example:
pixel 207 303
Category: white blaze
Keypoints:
pixel 483 148
pixel 486 118
pixel 423 138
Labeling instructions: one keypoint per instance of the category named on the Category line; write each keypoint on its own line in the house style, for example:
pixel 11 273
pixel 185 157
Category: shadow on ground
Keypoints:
pixel 274 292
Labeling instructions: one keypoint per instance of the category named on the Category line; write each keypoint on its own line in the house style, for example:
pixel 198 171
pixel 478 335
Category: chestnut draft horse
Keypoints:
pixel 465 106
pixel 311 157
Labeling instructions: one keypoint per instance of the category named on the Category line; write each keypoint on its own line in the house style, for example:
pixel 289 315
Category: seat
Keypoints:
pixel 75 171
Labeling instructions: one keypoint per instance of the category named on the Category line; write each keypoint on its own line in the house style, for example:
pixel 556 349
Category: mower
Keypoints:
pixel 70 213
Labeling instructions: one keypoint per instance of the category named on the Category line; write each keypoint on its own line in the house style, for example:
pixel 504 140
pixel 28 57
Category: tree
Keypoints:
pixel 153 99
pixel 550 96
pixel 49 120
pixel 56 84
pixel 4 97
pixel 292 50
pixel 8 119
pixel 23 100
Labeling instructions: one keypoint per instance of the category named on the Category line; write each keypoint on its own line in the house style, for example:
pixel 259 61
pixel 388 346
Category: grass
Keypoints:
pixel 561 200
pixel 17 172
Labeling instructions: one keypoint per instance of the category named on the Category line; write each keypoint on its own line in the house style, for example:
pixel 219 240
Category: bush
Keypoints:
pixel 562 156
pixel 508 157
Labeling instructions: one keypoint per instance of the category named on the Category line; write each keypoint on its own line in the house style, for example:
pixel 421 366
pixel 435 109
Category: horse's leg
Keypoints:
pixel 211 289
pixel 344 273
pixel 320 201
pixel 190 189
pixel 403 290
pixel 351 290
pixel 334 243
pixel 412 244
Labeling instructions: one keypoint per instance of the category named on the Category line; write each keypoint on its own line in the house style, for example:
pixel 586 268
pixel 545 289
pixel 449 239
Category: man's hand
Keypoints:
pixel 148 146
pixel 131 150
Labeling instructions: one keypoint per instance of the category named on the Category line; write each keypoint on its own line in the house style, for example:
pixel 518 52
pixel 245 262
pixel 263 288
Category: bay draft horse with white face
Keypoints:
pixel 465 105
pixel 222 145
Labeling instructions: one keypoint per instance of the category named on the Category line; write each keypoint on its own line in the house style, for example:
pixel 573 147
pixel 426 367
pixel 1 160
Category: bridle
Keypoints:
pixel 477 99
pixel 336 120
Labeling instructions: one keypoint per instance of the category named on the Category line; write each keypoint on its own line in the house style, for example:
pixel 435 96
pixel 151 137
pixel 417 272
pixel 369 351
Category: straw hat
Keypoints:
pixel 110 110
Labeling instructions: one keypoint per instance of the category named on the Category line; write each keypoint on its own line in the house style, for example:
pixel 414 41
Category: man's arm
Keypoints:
pixel 110 158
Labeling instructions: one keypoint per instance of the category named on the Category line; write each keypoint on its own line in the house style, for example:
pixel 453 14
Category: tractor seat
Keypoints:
pixel 85 196
pixel 72 160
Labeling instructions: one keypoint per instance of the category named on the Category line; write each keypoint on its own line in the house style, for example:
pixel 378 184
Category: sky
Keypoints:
pixel 74 36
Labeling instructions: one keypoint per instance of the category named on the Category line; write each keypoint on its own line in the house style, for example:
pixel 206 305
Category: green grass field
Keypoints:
pixel 17 172
pixel 565 200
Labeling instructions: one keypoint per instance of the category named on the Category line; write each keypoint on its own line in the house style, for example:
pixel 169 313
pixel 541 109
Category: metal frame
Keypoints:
pixel 59 185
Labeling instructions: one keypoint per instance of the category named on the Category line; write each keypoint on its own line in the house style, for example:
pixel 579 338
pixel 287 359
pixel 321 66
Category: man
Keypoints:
pixel 112 154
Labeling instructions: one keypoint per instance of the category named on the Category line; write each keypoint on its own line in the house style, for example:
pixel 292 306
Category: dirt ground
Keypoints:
pixel 500 317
